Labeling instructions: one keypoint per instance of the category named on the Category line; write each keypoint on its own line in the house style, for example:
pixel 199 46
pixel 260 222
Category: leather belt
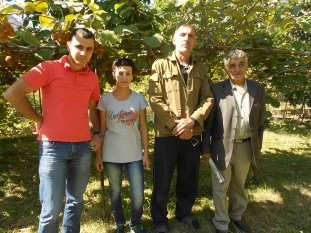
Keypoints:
pixel 241 140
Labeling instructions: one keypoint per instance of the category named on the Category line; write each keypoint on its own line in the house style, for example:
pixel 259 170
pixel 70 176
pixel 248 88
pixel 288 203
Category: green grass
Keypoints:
pixel 280 203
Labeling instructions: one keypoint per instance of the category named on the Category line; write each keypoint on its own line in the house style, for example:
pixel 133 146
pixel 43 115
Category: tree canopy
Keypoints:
pixel 275 34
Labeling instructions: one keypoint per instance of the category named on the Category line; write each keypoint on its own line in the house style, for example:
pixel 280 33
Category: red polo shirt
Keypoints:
pixel 65 97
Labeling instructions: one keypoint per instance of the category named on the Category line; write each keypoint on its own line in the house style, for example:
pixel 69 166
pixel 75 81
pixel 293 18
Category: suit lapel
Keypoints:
pixel 227 91
pixel 252 92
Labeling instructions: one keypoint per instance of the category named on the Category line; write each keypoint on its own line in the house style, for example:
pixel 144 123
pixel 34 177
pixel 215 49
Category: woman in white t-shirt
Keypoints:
pixel 124 128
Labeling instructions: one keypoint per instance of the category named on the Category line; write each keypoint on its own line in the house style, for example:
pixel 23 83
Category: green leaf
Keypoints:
pixel 76 6
pixel 229 12
pixel 217 4
pixel 165 48
pixel 268 114
pixel 41 7
pixel 209 13
pixel 94 7
pixel 241 36
pixel 295 10
pixel 297 45
pixel 168 17
pixel 259 9
pixel 118 5
pixel 303 70
pixel 30 7
pixel 108 76
pixel 52 5
pixel 46 21
pixel 98 22
pixel 124 29
pixel 284 22
pixel 142 64
pixel 138 3
pixel 87 2
pixel 115 19
pixel 306 26
pixel 105 36
pixel 12 8
pixel 45 54
pixel 153 41
pixel 68 21
pixel 27 36
pixel 270 100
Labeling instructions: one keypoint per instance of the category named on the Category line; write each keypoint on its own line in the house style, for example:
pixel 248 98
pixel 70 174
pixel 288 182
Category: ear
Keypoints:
pixel 68 45
pixel 226 70
pixel 173 40
pixel 113 75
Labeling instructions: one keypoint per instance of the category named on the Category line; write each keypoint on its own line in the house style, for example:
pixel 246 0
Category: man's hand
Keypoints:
pixel 146 161
pixel 96 142
pixel 186 135
pixel 183 128
pixel 99 162
pixel 206 157
pixel 39 124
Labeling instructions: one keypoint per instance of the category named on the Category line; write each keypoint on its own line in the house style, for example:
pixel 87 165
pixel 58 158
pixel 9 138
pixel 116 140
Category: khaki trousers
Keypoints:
pixel 235 175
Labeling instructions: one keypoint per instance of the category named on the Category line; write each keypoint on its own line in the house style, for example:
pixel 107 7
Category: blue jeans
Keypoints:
pixel 64 168
pixel 135 174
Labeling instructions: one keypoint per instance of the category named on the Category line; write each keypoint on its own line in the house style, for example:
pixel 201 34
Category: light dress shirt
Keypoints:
pixel 242 106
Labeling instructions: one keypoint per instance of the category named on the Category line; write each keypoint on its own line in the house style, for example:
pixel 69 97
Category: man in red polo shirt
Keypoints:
pixel 69 91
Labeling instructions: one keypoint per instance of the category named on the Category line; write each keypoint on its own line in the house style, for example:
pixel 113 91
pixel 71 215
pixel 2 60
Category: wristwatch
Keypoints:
pixel 99 134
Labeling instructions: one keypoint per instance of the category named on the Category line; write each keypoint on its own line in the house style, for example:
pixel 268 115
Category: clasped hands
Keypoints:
pixel 183 128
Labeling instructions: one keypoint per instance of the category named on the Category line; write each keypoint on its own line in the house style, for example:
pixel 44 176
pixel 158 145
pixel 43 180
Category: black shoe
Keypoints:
pixel 220 231
pixel 242 226
pixel 119 229
pixel 191 222
pixel 161 229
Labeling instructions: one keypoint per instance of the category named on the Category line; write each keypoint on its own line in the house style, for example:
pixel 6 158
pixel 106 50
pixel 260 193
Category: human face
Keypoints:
pixel 184 39
pixel 236 69
pixel 80 51
pixel 123 75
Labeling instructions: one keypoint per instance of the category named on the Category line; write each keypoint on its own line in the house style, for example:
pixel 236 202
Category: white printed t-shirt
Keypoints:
pixel 122 140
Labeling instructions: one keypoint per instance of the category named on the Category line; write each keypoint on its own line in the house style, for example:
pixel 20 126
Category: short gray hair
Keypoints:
pixel 236 53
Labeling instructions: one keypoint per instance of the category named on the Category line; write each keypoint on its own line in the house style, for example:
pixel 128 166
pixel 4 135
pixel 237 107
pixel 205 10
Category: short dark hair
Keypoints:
pixel 123 61
pixel 85 33
pixel 185 25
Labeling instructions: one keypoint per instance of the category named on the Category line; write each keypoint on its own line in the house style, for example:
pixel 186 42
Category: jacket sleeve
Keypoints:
pixel 207 134
pixel 261 118
pixel 205 102
pixel 156 99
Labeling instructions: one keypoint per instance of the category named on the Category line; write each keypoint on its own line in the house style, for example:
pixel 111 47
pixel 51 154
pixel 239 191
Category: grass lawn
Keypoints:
pixel 280 203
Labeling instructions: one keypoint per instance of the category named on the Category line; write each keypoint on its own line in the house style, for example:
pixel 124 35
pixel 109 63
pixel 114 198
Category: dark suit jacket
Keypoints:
pixel 220 126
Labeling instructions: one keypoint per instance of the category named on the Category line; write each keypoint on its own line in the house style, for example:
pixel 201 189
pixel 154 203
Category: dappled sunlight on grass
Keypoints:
pixel 266 195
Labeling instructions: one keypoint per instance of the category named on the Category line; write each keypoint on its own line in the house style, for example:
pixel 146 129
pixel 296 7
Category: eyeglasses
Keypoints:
pixel 194 142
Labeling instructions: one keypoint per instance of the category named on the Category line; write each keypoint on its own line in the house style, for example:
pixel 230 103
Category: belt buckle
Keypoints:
pixel 239 140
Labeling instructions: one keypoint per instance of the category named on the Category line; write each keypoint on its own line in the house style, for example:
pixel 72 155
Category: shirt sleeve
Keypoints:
pixel 143 102
pixel 38 76
pixel 101 104
pixel 156 100
pixel 96 93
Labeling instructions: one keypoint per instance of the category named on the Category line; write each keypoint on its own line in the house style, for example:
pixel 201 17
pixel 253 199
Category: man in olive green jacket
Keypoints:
pixel 181 99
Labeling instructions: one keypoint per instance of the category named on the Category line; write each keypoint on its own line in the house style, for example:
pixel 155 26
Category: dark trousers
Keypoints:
pixel 171 152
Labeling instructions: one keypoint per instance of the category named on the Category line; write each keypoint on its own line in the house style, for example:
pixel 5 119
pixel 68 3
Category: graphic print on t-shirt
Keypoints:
pixel 127 118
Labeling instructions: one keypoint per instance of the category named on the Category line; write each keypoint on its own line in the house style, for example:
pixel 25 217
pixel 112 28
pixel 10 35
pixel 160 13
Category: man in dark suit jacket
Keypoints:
pixel 233 139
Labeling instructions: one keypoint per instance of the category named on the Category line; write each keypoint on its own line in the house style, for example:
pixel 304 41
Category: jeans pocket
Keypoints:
pixel 48 144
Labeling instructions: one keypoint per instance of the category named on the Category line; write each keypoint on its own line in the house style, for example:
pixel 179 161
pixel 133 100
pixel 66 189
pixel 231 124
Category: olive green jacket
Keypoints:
pixel 171 99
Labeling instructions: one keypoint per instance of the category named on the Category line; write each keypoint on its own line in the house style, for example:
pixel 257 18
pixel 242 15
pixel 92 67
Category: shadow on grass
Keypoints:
pixel 19 202
pixel 282 200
